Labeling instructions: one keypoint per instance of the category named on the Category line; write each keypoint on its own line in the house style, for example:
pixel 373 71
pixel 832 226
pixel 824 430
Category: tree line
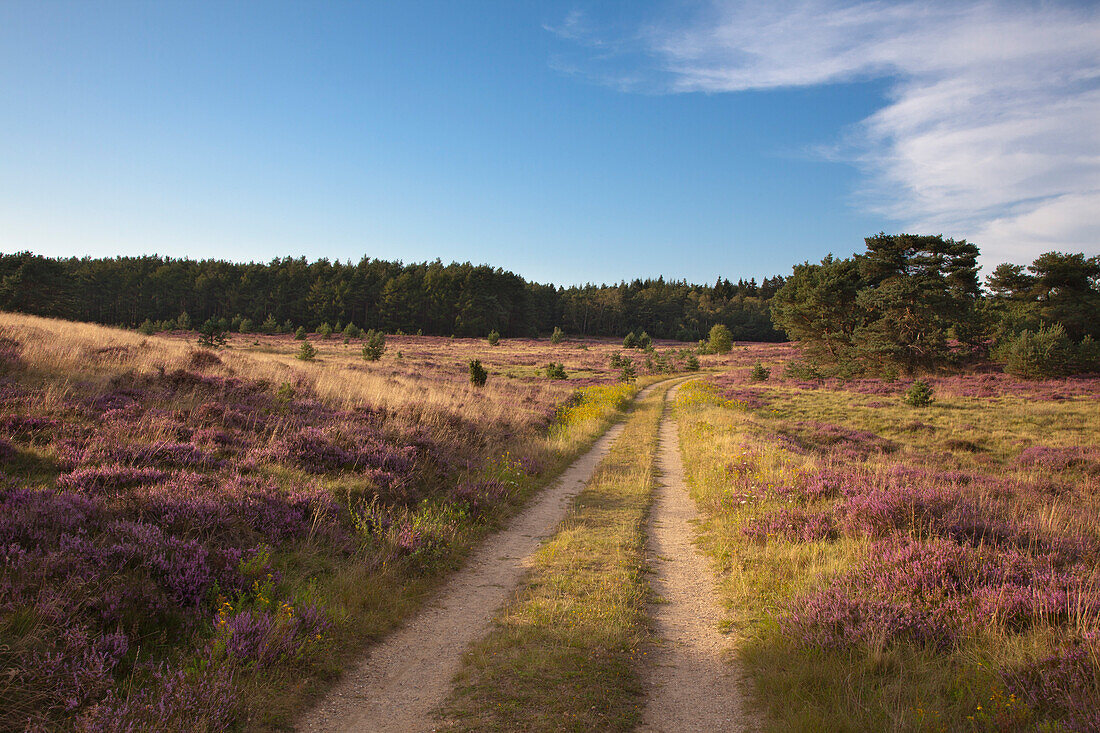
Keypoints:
pixel 430 297
pixel 914 303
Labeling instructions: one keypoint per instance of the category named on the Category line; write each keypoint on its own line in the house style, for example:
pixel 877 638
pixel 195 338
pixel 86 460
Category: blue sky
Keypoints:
pixel 567 142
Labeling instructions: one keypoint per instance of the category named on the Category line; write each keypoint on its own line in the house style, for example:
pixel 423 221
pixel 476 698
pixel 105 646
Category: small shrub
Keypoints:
pixel 287 327
pixel 805 370
pixel 644 341
pixel 558 336
pixel 246 326
pixel 760 373
pixel 630 341
pixel 493 338
pixel 147 327
pixel 307 352
pixel 627 373
pixel 617 360
pixel 1040 354
pixel 351 331
pixel 324 330
pixel 212 335
pixel 300 334
pixel 556 371
pixel 478 375
pixel 183 321
pixel 919 395
pixel 691 364
pixel 375 345
pixel 720 340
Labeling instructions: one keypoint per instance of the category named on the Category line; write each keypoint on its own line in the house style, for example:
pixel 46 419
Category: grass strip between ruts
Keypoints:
pixel 563 655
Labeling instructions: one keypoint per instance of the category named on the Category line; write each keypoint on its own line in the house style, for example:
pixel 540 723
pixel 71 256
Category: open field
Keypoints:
pixel 896 568
pixel 205 540
pixel 200 540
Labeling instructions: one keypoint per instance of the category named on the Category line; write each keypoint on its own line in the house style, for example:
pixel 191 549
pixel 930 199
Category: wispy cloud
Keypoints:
pixel 992 128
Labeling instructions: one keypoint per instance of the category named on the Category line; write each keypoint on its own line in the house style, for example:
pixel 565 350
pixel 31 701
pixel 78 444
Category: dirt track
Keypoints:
pixel 405 677
pixel 690 686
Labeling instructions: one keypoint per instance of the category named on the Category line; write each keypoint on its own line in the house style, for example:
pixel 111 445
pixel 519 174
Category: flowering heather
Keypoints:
pixel 1060 459
pixel 932 592
pixel 794 524
pixel 1065 686
pixel 155 560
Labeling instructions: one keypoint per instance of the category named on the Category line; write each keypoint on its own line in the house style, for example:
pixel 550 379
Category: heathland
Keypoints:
pixel 204 528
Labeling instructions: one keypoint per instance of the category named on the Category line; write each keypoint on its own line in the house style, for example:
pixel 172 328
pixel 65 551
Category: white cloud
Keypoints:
pixel 992 129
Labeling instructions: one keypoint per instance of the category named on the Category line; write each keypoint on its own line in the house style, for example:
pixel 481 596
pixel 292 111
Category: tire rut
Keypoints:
pixel 691 686
pixel 404 678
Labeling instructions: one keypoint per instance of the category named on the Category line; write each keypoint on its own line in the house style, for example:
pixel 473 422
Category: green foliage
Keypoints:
pixel 212 335
pixel 351 331
pixel 558 336
pixel 760 373
pixel 147 327
pixel 460 298
pixel 287 327
pixel 285 392
pixel 803 369
pixel 1045 353
pixel 324 330
pixel 630 341
pixel 300 334
pixel 617 360
pixel 183 321
pixel 307 352
pixel 644 341
pixel 493 338
pixel 691 364
pixel 270 325
pixel 720 340
pixel 555 370
pixel 919 394
pixel 246 326
pixel 1058 288
pixel 478 375
pixel 627 373
pixel 375 345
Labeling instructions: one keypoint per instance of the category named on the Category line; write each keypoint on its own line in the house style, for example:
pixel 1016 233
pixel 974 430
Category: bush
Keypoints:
pixel 919 395
pixel 1088 356
pixel 246 325
pixel 351 331
pixel 478 375
pixel 212 335
pixel 720 340
pixel 493 338
pixel 627 373
pixel 324 330
pixel 147 327
pixel 270 325
pixel 307 352
pixel 183 322
pixel 1040 354
pixel 692 363
pixel 760 373
pixel 300 334
pixel 375 345
pixel 558 336
pixel 287 327
pixel 806 370
pixel 644 341
pixel 555 371
pixel 630 341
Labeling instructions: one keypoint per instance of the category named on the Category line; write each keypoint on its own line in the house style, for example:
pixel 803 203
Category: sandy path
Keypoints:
pixel 690 687
pixel 406 676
